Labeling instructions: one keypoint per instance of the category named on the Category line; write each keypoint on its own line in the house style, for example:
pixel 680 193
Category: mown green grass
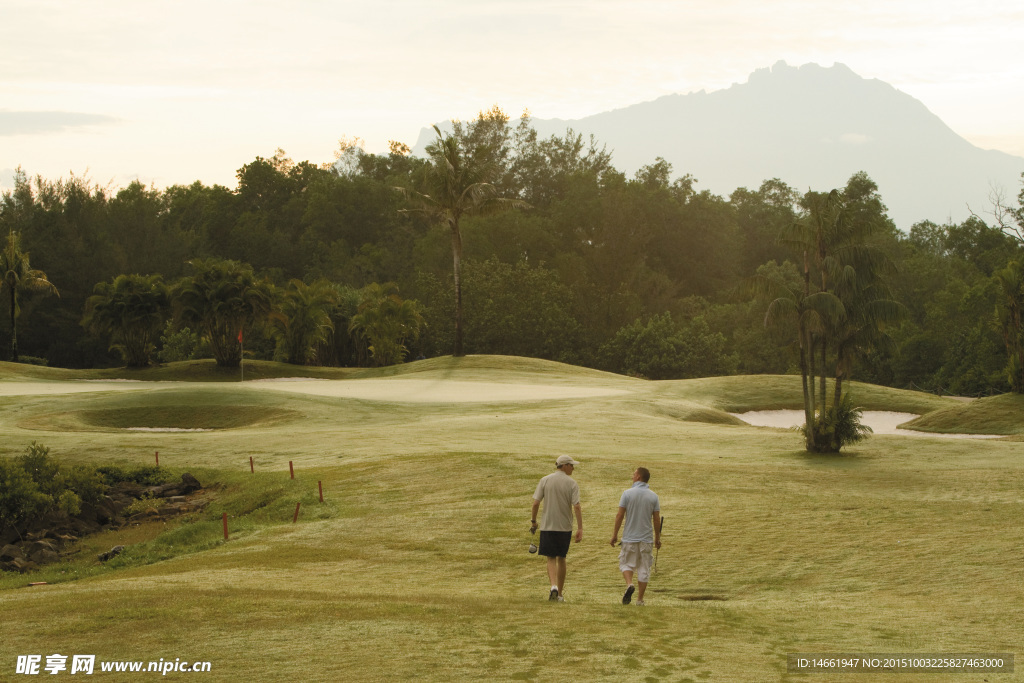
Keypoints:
pixel 416 567
pixel 995 415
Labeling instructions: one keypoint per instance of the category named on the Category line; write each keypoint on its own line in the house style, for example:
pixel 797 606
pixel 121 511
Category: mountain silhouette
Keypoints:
pixel 812 127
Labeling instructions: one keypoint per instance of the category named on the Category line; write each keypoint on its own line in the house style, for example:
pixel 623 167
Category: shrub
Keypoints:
pixel 69 503
pixel 20 497
pixel 53 480
pixel 177 346
pixel 661 348
pixel 37 463
pixel 146 475
pixel 839 426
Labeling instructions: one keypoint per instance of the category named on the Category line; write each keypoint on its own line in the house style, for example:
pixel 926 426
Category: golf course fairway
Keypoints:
pixel 415 566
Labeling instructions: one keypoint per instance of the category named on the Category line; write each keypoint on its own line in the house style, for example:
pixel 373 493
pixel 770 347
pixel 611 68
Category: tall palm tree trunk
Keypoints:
pixel 808 387
pixel 14 328
pixel 457 268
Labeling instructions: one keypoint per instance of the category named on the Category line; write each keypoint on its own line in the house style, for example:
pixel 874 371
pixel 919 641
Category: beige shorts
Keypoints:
pixel 637 557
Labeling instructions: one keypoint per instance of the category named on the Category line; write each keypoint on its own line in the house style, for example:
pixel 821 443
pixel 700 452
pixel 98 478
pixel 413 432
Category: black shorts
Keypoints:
pixel 555 543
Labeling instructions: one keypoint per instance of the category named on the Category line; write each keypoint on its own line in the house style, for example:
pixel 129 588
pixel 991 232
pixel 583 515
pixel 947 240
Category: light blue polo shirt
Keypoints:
pixel 640 503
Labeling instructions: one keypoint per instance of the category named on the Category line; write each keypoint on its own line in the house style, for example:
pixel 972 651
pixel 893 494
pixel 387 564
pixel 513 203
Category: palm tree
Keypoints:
pixel 305 321
pixel 18 276
pixel 132 310
pixel 387 322
pixel 809 310
pixel 457 183
pixel 832 239
pixel 219 299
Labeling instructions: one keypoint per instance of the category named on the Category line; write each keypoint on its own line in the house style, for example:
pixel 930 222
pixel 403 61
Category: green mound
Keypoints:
pixel 996 415
pixel 183 417
pixel 487 366
pixel 685 411
pixel 742 393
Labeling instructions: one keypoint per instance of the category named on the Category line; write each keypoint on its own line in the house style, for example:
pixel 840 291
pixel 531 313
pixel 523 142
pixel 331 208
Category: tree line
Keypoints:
pixel 499 241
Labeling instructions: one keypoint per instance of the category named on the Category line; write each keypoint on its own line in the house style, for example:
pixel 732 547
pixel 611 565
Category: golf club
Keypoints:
pixel 661 525
pixel 533 547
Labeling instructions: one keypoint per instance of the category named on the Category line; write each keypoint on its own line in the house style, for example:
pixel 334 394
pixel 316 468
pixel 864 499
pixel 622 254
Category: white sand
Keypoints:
pixel 165 429
pixel 399 390
pixel 880 421
pixel 71 387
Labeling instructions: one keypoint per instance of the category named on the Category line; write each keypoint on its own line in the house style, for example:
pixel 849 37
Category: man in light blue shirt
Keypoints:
pixel 639 505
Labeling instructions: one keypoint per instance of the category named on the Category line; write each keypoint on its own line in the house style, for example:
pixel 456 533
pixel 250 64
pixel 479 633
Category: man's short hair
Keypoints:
pixel 645 474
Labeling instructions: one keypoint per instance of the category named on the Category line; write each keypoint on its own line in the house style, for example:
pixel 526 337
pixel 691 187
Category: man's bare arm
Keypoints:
pixel 619 516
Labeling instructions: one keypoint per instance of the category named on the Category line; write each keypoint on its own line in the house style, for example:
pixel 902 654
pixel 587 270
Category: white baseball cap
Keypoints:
pixel 565 460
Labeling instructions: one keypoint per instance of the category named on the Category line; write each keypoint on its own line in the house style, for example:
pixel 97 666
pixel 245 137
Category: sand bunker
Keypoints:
pixel 72 387
pixel 166 429
pixel 433 391
pixel 880 421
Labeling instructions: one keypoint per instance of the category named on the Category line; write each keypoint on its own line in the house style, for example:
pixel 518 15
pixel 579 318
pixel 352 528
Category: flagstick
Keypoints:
pixel 241 356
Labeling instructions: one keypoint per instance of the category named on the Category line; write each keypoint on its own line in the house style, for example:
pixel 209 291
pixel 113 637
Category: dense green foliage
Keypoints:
pixel 35 483
pixel 638 275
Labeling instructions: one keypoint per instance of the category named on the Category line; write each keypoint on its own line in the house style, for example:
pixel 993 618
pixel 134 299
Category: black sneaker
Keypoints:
pixel 628 595
pixel 554 595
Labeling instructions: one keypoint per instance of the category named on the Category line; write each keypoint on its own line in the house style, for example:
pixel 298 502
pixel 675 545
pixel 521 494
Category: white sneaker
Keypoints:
pixel 561 599
pixel 639 603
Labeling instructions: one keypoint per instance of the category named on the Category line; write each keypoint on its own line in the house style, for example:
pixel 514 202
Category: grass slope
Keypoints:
pixel 995 415
pixel 416 566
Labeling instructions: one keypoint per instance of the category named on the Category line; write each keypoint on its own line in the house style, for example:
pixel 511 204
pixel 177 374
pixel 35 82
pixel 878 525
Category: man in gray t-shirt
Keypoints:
pixel 561 496
pixel 640 506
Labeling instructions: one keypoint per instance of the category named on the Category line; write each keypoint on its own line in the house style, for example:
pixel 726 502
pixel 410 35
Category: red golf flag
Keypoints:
pixel 239 336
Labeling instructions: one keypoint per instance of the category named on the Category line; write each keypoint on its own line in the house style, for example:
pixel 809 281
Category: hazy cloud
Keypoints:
pixel 37 122
pixel 6 178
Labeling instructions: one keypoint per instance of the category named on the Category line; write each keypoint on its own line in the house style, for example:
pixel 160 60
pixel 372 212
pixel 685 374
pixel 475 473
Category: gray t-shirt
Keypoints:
pixel 640 503
pixel 559 493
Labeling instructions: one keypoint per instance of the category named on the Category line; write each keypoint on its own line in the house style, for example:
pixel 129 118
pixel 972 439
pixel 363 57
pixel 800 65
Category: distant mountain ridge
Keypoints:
pixel 812 127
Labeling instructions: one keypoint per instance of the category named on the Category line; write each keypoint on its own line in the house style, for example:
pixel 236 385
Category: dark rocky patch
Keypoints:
pixel 44 540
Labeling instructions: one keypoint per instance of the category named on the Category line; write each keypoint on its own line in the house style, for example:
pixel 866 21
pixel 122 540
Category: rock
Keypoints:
pixel 121 500
pixel 21 565
pixel 105 511
pixel 44 556
pixel 147 513
pixel 42 544
pixel 177 499
pixel 113 552
pixel 87 515
pixel 10 552
pixel 9 535
pixel 83 527
pixel 128 489
pixel 190 483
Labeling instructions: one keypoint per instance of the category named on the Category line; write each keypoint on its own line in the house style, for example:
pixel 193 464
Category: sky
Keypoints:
pixel 174 92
